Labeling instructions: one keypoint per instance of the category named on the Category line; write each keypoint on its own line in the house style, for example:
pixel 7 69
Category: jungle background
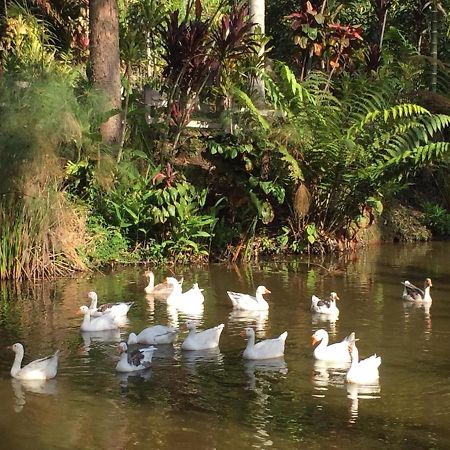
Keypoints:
pixel 181 132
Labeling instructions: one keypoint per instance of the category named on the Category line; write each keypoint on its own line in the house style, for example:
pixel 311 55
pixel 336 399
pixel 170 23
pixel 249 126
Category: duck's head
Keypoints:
pixel 132 339
pixel 428 282
pixel 16 348
pixel 83 309
pixel 190 325
pixel 172 281
pixel 334 296
pixel 318 336
pixel 122 347
pixel 247 332
pixel 92 296
pixel 262 290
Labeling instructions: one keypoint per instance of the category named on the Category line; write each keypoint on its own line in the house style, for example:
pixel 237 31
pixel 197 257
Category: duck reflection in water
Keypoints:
pixel 38 387
pixel 263 367
pixel 358 391
pixel 411 309
pixel 317 320
pixel 90 338
pixel 328 373
pixel 257 319
pixel 126 378
pixel 193 359
pixel 177 315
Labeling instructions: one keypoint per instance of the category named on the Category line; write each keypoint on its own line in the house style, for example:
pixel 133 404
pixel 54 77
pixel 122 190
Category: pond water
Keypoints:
pixel 216 400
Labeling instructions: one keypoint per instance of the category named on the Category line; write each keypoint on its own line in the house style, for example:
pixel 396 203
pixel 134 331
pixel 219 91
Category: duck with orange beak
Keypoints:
pixel 248 302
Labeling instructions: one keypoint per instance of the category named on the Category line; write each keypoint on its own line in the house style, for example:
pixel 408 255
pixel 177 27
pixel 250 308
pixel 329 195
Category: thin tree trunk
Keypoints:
pixel 105 63
pixel 383 28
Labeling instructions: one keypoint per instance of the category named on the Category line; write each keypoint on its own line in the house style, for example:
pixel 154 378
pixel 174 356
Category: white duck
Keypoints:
pixel 157 334
pixel 40 369
pixel 131 360
pixel 115 309
pixel 100 323
pixel 337 352
pixel 202 340
pixel 248 302
pixel 365 371
pixel 327 307
pixel 162 289
pixel 412 293
pixel 269 348
pixel 177 297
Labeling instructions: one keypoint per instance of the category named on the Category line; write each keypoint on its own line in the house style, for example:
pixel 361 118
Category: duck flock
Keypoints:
pixel 136 354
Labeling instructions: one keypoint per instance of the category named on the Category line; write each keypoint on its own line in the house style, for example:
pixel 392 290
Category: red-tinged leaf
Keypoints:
pixel 318 49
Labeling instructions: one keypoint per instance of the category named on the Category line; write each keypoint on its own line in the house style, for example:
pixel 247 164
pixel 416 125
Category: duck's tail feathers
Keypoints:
pixel 283 336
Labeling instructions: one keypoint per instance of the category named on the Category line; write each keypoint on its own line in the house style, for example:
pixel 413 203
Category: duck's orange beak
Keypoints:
pixel 10 347
pixel 267 291
pixel 243 334
pixel 314 340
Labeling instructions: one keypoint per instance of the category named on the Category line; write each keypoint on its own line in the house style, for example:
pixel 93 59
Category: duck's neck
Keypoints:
pixel 323 344
pixel 87 318
pixel 427 295
pixel 176 292
pixel 260 299
pixel 251 341
pixel 93 305
pixel 192 332
pixel 151 281
pixel 354 355
pixel 15 369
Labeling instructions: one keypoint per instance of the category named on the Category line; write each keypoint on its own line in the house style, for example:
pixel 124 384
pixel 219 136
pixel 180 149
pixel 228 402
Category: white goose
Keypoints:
pixel 115 309
pixel 364 371
pixel 131 360
pixel 248 302
pixel 412 293
pixel 202 340
pixel 177 297
pixel 327 307
pixel 157 334
pixel 40 369
pixel 269 348
pixel 162 289
pixel 100 323
pixel 337 352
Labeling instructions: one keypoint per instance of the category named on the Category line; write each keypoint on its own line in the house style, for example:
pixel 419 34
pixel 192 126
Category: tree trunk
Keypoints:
pixel 105 63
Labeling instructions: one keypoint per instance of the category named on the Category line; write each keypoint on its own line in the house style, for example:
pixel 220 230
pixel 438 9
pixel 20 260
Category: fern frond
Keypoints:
pixel 244 100
pixel 295 172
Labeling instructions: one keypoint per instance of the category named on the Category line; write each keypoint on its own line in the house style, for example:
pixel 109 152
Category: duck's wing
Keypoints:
pixel 135 357
pixel 116 309
pixel 413 291
pixel 211 334
pixel 370 363
pixel 271 346
pixel 240 299
pixel 39 364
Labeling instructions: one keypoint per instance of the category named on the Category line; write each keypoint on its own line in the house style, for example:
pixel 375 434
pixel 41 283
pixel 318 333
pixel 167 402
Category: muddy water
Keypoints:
pixel 211 400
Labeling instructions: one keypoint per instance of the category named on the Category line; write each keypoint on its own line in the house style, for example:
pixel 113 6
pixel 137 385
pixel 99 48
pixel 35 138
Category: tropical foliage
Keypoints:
pixel 355 118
